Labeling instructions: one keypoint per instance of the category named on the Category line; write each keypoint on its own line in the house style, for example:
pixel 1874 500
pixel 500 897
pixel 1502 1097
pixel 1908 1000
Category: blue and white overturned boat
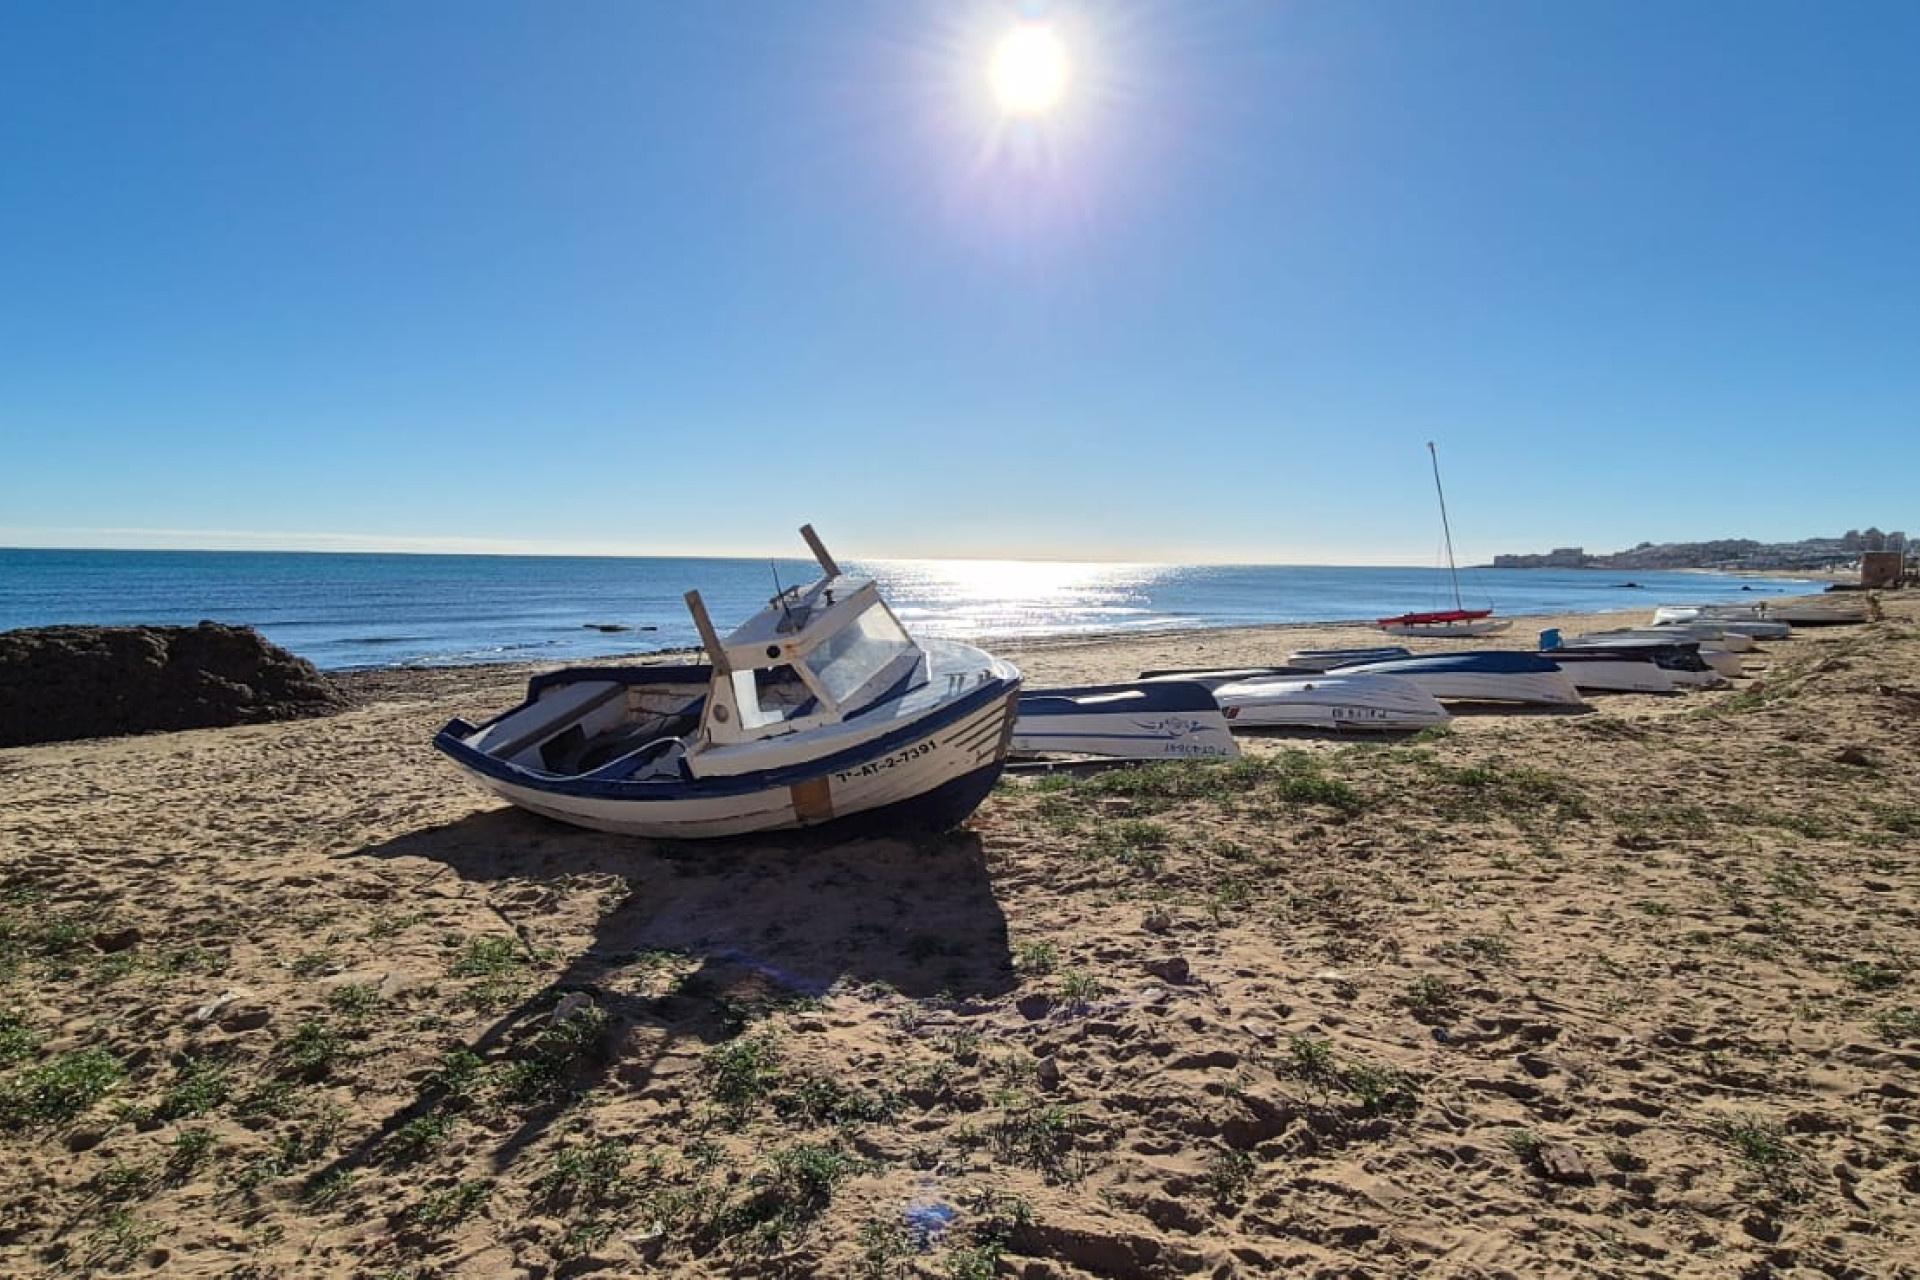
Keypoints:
pixel 1302 698
pixel 1714 651
pixel 1484 675
pixel 1328 659
pixel 819 709
pixel 1150 720
pixel 1686 663
pixel 1334 700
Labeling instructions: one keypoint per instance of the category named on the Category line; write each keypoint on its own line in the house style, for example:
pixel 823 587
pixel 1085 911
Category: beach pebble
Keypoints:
pixel 245 1017
pixel 116 939
pixel 1157 922
pixel 206 1011
pixel 1034 1006
pixel 1562 1162
pixel 1172 968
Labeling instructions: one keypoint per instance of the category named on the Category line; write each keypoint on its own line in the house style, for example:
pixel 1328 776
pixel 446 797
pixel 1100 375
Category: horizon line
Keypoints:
pixel 252 541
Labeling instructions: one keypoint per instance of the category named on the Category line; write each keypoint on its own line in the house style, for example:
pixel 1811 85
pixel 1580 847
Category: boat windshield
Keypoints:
pixel 855 654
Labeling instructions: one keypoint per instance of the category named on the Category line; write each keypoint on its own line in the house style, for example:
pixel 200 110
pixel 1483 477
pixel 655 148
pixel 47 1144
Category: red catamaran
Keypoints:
pixel 1459 620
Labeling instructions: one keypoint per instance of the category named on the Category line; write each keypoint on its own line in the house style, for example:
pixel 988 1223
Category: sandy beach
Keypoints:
pixel 1628 992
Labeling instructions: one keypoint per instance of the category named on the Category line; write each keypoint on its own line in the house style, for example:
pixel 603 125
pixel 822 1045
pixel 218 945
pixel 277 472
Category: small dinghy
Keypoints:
pixel 1483 675
pixel 1330 700
pixel 1149 720
pixel 818 709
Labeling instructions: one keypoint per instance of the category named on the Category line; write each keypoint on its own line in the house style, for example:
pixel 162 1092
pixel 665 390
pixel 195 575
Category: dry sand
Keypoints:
pixel 1622 993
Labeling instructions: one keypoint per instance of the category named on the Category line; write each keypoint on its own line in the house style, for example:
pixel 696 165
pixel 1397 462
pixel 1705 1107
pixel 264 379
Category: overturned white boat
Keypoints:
pixel 818 709
pixel 1148 720
pixel 1330 700
pixel 1686 662
pixel 1481 675
pixel 1327 659
pixel 1824 611
pixel 1714 652
pixel 1746 620
pixel 1613 671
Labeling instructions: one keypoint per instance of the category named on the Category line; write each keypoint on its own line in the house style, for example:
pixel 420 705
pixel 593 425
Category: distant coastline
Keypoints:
pixel 1823 556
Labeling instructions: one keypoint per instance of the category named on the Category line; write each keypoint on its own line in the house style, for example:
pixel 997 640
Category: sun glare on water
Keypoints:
pixel 1029 70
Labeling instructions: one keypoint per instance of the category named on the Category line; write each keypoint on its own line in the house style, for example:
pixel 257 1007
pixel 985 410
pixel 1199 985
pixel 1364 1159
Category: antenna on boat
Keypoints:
pixel 780 597
pixel 1446 529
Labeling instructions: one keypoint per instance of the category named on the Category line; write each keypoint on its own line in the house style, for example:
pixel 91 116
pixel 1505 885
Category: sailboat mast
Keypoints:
pixel 1445 528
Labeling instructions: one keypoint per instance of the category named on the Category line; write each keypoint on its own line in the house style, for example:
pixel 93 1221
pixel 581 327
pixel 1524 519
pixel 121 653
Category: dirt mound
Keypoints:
pixel 62 683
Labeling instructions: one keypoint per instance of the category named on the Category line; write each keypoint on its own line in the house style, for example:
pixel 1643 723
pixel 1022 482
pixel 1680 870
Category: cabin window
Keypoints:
pixel 855 654
pixel 769 695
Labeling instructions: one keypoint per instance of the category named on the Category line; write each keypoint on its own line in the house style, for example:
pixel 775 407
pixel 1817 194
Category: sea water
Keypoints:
pixel 346 610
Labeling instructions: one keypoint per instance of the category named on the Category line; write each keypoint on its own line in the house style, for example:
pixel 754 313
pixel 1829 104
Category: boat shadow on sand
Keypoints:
pixel 766 923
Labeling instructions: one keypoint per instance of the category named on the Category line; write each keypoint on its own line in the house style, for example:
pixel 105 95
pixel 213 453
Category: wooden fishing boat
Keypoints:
pixel 818 709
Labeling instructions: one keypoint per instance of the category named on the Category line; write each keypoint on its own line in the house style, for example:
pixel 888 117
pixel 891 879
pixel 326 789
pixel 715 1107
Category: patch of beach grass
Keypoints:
pixel 1035 959
pixel 199 1086
pixel 1526 795
pixel 1898 1026
pixel 1763 1147
pixel 59 1090
pixel 1036 1134
pixel 793 1187
pixel 441 1210
pixel 1079 988
pixel 587 1175
pixel 742 1073
pixel 1229 1175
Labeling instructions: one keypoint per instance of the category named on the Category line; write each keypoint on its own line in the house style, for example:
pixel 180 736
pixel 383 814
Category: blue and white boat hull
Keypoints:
pixel 1334 700
pixel 1481 676
pixel 1150 720
pixel 923 773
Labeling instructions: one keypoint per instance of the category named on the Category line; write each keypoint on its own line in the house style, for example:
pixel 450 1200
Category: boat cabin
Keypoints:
pixel 815 655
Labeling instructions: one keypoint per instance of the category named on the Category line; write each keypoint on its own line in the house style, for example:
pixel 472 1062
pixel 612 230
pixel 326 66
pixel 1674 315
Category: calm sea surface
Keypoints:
pixel 354 610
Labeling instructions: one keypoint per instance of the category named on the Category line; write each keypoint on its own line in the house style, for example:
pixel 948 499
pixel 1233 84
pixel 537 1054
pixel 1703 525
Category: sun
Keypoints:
pixel 1029 70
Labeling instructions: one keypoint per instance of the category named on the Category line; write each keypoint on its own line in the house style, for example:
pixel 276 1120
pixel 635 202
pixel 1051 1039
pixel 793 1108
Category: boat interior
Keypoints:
pixel 603 727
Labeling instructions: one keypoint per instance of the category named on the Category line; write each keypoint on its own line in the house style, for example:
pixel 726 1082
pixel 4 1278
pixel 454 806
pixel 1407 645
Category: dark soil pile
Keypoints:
pixel 62 683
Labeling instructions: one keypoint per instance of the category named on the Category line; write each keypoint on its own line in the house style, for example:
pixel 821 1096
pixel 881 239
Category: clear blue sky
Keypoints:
pixel 677 278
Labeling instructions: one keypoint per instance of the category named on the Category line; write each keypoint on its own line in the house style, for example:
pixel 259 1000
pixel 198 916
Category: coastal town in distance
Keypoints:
pixel 1822 554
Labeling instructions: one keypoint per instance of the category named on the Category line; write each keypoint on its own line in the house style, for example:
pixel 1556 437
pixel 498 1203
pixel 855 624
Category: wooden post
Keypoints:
pixel 716 652
pixel 820 551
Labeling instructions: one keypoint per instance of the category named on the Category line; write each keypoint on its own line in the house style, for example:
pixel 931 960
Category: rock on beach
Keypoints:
pixel 58 684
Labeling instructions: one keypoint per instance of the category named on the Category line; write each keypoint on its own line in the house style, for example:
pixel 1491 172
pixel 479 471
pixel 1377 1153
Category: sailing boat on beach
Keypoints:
pixel 1459 620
